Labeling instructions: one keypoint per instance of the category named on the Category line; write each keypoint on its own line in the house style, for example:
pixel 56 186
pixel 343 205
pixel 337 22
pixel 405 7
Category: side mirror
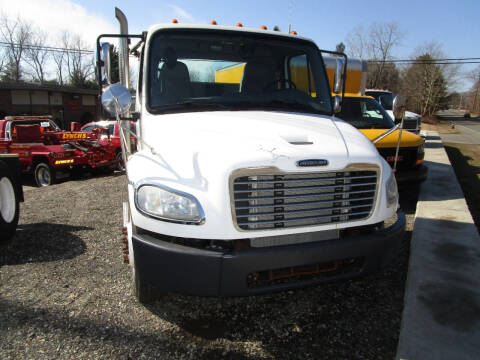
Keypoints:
pixel 116 99
pixel 338 81
pixel 337 104
pixel 104 64
pixel 399 107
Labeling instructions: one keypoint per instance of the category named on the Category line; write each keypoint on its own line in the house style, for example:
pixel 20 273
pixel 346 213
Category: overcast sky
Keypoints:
pixel 453 24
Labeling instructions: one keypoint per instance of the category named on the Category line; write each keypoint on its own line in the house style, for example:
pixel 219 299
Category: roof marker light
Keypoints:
pixel 213 22
pixel 263 27
pixel 239 24
pixel 293 32
pixel 175 21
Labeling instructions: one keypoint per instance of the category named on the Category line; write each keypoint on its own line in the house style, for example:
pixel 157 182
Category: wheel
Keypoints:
pixel 44 175
pixel 120 163
pixel 9 203
pixel 144 292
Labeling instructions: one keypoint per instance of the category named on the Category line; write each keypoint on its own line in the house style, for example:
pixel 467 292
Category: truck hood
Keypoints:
pixel 408 139
pixel 408 115
pixel 195 148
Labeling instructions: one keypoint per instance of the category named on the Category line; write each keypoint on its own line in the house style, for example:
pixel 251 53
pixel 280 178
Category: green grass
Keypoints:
pixel 465 159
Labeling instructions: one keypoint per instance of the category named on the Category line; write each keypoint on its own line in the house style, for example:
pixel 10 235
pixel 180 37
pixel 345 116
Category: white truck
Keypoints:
pixel 248 186
pixel 411 121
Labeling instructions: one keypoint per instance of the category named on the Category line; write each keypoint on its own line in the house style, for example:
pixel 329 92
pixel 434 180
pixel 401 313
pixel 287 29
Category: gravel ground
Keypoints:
pixel 66 294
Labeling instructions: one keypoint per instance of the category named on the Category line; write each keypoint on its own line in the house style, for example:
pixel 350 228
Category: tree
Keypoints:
pixel 376 45
pixel 78 64
pixel 426 82
pixel 340 47
pixel 389 78
pixel 425 85
pixel 36 56
pixel 16 34
pixel 59 60
pixel 474 94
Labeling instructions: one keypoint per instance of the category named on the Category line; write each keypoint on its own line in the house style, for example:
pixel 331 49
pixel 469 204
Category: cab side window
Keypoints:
pixel 301 74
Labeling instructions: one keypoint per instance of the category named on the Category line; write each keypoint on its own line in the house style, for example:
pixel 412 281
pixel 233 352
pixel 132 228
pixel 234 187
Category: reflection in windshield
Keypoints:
pixel 204 72
pixel 365 113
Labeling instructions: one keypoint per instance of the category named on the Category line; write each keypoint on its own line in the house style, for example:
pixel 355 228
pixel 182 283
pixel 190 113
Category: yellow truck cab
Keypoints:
pixel 367 115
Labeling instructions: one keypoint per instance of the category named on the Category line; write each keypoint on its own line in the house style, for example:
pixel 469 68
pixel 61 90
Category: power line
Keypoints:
pixel 427 60
pixel 46 48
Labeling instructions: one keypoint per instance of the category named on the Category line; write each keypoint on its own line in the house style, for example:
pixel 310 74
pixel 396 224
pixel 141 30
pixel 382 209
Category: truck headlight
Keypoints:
pixel 392 191
pixel 167 204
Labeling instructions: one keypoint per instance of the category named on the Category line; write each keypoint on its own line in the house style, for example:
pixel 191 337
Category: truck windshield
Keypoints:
pixel 385 98
pixel 364 113
pixel 213 70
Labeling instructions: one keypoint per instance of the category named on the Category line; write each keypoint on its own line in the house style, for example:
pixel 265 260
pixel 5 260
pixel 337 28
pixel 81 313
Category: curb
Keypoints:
pixel 441 315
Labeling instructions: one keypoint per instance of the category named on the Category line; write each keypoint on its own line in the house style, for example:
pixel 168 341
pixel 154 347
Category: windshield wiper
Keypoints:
pixel 191 104
pixel 289 104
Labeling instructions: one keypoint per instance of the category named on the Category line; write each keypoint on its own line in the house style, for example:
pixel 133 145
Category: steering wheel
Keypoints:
pixel 278 81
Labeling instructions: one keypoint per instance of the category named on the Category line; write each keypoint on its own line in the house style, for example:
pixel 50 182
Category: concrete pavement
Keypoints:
pixel 441 316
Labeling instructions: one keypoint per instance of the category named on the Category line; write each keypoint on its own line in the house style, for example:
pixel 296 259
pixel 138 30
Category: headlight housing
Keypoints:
pixel 391 190
pixel 163 203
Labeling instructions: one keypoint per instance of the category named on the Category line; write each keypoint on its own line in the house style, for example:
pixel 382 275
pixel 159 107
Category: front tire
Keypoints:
pixel 44 175
pixel 120 163
pixel 9 203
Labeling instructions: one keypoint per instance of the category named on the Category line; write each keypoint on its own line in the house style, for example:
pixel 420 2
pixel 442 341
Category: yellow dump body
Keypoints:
pixel 356 74
pixel 230 75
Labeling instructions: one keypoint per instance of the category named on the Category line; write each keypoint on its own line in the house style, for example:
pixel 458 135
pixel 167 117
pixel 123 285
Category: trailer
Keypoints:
pixel 50 153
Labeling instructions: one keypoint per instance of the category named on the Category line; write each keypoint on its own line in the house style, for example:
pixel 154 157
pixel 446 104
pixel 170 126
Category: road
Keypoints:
pixel 469 129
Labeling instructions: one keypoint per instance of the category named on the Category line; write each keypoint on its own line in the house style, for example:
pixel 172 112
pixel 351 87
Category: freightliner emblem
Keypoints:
pixel 312 162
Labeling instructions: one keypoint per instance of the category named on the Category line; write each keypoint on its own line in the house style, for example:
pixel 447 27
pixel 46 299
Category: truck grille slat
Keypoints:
pixel 303 195
pixel 302 187
pixel 304 211
pixel 303 203
pixel 302 180
pixel 295 219
pixel 268 200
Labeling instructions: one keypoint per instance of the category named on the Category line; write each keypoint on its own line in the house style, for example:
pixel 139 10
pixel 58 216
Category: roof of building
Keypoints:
pixel 46 87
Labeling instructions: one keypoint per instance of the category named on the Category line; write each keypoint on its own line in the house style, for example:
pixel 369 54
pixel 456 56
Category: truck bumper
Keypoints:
pixel 180 269
pixel 417 174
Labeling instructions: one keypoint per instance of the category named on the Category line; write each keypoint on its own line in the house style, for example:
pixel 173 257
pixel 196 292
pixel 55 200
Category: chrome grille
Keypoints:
pixel 268 199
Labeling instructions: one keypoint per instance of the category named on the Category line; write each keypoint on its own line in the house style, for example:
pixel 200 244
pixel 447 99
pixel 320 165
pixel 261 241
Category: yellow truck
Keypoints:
pixel 361 111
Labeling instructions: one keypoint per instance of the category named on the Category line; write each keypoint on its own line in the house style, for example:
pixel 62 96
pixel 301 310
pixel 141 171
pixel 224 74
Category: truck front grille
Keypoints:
pixel 411 125
pixel 269 200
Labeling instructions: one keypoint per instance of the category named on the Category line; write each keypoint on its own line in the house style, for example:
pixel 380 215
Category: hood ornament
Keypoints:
pixel 312 162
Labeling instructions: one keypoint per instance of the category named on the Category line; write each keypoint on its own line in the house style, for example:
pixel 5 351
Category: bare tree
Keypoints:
pixel 356 43
pixel 58 58
pixel 36 56
pixel 78 64
pixel 3 61
pixel 376 45
pixel 474 96
pixel 16 34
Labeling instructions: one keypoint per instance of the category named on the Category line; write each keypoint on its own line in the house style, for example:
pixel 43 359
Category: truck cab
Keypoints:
pixel 367 115
pixel 412 121
pixel 247 184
